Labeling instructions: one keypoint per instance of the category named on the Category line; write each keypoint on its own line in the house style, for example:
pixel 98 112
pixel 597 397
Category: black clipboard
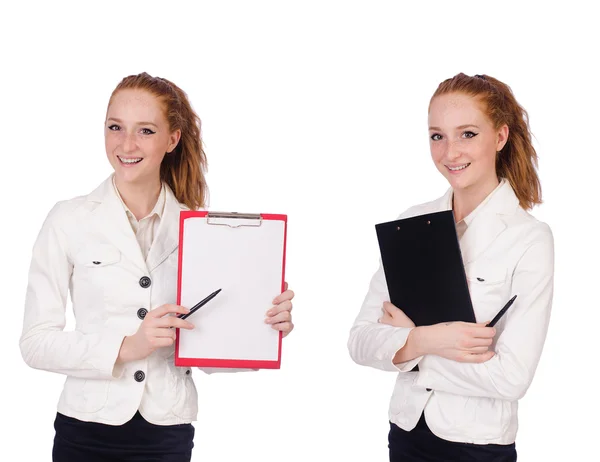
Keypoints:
pixel 423 268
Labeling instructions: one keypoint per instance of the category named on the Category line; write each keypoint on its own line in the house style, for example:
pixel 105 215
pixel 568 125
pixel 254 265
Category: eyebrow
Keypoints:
pixel 460 127
pixel 139 123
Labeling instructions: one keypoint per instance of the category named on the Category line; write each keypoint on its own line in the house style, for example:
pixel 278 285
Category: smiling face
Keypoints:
pixel 137 137
pixel 464 142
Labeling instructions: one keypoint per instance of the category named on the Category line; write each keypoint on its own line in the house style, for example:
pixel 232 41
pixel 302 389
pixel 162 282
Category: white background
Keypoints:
pixel 317 110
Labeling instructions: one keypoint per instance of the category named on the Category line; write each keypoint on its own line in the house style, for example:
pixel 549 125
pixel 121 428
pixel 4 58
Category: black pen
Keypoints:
pixel 501 312
pixel 199 305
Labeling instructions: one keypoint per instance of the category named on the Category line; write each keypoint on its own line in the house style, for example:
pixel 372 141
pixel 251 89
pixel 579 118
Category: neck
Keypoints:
pixel 140 198
pixel 464 201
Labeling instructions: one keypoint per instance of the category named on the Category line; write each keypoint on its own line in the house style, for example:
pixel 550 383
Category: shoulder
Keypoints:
pixel 532 230
pixel 436 205
pixel 65 211
pixel 534 226
pixel 76 209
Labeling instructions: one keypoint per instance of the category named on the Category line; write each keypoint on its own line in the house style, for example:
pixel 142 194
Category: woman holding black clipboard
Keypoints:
pixel 461 403
pixel 115 251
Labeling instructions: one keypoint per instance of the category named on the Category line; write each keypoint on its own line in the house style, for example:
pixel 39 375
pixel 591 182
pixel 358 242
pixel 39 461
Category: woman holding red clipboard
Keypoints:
pixel 115 250
pixel 462 402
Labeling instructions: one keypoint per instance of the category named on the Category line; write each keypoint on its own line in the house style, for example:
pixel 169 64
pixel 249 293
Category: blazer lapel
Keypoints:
pixel 167 237
pixel 484 229
pixel 110 219
pixel 489 223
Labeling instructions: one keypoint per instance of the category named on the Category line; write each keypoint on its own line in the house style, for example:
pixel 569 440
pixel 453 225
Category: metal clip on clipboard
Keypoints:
pixel 247 219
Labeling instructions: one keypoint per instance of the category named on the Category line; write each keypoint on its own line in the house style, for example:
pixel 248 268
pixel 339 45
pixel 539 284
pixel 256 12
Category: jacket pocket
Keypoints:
pixel 98 273
pixel 489 285
pixel 183 390
pixel 98 256
pixel 86 395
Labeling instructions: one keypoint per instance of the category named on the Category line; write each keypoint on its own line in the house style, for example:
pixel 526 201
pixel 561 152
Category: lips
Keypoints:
pixel 129 160
pixel 458 168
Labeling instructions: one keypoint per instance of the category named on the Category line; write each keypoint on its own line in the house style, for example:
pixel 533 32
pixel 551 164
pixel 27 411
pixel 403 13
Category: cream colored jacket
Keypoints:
pixel 505 252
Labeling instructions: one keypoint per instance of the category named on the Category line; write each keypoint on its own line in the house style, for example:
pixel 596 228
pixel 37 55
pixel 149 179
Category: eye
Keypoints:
pixel 114 127
pixel 436 137
pixel 469 134
pixel 147 131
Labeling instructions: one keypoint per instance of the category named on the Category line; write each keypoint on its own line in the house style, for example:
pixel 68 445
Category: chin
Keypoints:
pixel 459 182
pixel 127 177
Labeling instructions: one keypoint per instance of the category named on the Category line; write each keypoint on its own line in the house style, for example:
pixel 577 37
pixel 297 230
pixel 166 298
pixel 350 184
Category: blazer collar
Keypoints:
pixel 110 219
pixel 166 239
pixel 489 221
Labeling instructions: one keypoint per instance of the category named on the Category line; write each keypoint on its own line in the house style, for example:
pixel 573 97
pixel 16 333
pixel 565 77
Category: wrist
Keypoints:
pixel 124 351
pixel 419 338
pixel 409 351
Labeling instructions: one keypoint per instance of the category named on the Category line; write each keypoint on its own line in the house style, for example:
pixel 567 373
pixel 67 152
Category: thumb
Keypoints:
pixel 488 355
pixel 389 308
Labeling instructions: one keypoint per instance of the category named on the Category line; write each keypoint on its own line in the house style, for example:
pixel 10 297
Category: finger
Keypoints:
pixel 483 332
pixel 160 332
pixel 389 307
pixel 479 358
pixel 472 342
pixel 386 319
pixel 478 350
pixel 284 306
pixel 287 295
pixel 285 286
pixel 285 327
pixel 280 317
pixel 173 322
pixel 166 309
pixel 161 342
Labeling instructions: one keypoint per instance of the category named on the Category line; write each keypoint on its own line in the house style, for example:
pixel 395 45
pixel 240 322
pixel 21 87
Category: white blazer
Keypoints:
pixel 506 251
pixel 87 247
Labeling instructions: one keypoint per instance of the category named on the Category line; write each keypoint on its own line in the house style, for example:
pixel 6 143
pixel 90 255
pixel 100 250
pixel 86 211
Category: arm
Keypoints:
pixel 376 344
pixel 44 344
pixel 508 374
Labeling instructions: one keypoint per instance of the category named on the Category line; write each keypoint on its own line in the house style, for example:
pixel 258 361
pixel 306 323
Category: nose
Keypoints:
pixel 453 151
pixel 129 143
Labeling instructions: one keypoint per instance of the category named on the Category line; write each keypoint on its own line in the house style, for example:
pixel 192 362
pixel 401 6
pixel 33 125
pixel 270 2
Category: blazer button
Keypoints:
pixel 139 376
pixel 145 282
pixel 142 312
pixel 428 389
pixel 188 372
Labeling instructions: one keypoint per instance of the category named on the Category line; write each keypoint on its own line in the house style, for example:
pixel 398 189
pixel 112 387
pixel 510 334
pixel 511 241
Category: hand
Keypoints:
pixel 280 316
pixel 154 332
pixel 459 341
pixel 394 316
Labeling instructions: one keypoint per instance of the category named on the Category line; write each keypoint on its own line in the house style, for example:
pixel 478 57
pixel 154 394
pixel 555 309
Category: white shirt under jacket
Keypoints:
pixel 87 247
pixel 506 252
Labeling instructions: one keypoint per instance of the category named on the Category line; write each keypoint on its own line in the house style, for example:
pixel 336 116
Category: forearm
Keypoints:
pixel 412 349
pixel 375 345
pixel 89 356
pixel 498 378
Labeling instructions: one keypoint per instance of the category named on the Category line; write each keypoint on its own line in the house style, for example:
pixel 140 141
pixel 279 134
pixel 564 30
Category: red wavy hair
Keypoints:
pixel 518 161
pixel 183 169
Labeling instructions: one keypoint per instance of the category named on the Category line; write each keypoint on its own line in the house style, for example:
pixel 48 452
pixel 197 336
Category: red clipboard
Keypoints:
pixel 245 256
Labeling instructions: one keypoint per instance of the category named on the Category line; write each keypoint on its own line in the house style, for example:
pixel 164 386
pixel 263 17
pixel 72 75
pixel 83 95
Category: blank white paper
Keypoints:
pixel 246 262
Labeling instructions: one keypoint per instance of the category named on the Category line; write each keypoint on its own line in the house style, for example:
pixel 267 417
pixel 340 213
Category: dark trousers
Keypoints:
pixel 421 445
pixel 136 440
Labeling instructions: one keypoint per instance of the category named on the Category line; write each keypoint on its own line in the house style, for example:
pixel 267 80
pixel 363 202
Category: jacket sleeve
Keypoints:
pixel 519 346
pixel 44 343
pixel 374 344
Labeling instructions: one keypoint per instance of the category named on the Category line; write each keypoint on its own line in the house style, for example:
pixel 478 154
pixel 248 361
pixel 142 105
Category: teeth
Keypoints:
pixel 130 161
pixel 462 167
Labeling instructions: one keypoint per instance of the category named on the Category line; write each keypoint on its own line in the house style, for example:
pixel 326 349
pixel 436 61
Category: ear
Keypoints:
pixel 173 140
pixel 501 137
